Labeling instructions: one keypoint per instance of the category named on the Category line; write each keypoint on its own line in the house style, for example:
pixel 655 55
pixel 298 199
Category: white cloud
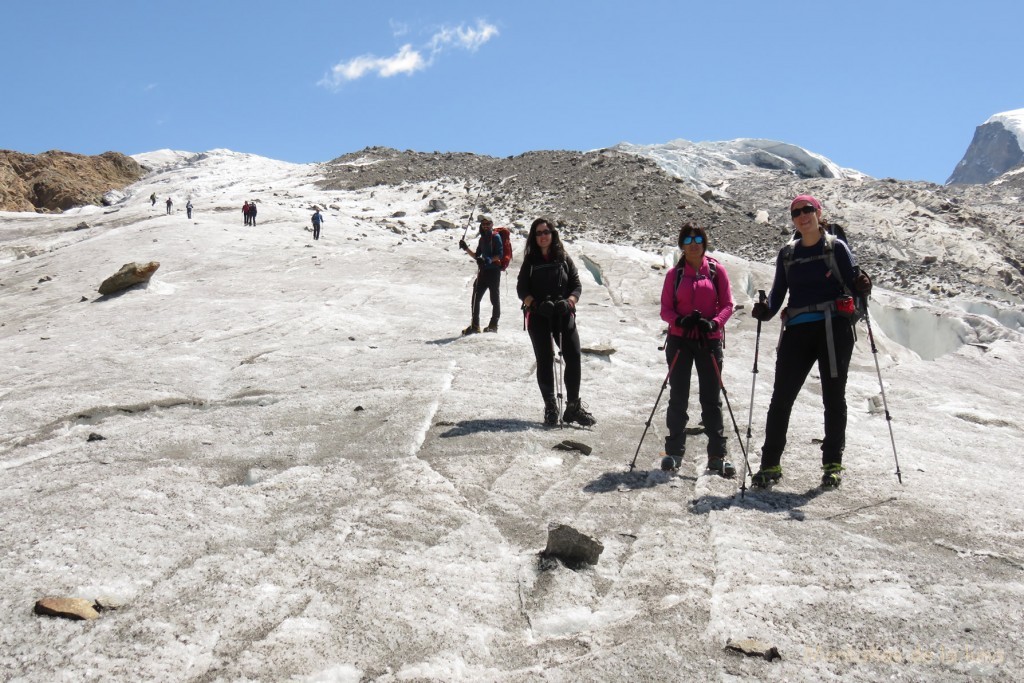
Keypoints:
pixel 398 29
pixel 409 60
pixel 467 38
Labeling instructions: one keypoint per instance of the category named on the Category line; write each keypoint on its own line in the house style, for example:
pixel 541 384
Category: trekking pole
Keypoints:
pixel 471 212
pixel 736 427
pixel 472 299
pixel 559 380
pixel 885 404
pixel 761 298
pixel 664 384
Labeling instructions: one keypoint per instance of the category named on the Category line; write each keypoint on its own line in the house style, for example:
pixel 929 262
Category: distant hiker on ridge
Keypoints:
pixel 252 213
pixel 549 286
pixel 169 203
pixel 188 208
pixel 696 302
pixel 488 258
pixel 245 213
pixel 152 199
pixel 317 220
pixel 818 271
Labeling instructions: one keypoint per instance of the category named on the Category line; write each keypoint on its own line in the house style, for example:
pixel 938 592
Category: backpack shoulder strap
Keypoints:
pixel 833 265
pixel 787 255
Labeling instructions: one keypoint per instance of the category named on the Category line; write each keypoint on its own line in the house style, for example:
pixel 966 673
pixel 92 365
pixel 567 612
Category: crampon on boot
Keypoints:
pixel 766 476
pixel 576 412
pixel 832 475
pixel 671 463
pixel 721 467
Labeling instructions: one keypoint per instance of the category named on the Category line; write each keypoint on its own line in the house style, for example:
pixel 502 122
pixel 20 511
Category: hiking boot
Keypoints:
pixel 833 475
pixel 493 327
pixel 721 467
pixel 550 412
pixel 576 412
pixel 670 463
pixel 766 476
pixel 472 329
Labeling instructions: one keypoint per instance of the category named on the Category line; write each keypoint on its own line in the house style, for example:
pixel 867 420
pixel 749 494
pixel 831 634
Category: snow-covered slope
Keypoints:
pixel 715 164
pixel 307 475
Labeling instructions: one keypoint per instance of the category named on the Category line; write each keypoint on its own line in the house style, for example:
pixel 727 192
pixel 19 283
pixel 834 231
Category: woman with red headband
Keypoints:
pixel 820 275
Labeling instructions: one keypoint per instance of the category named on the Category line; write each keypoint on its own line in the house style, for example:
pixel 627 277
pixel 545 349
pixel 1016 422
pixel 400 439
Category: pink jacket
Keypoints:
pixel 697 292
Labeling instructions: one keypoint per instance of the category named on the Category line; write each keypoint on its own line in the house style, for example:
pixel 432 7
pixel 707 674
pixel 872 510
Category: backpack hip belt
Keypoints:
pixel 827 308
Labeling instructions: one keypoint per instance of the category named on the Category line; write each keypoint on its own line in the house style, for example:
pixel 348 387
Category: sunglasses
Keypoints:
pixel 803 209
pixel 541 233
pixel 690 239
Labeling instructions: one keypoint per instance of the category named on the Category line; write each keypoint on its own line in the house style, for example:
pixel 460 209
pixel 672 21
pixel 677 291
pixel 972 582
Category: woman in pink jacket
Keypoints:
pixel 696 302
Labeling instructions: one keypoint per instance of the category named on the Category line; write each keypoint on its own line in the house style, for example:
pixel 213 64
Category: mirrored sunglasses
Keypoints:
pixel 690 239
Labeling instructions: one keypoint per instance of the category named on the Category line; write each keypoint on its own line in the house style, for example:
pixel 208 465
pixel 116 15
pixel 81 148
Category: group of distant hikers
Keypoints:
pixel 169 203
pixel 249 217
pixel 826 290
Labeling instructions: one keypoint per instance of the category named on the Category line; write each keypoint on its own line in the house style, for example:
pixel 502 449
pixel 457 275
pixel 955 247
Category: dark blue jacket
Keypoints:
pixel 810 282
pixel 489 247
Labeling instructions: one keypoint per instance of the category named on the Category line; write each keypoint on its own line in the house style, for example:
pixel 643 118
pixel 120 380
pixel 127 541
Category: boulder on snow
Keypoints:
pixel 571 547
pixel 68 608
pixel 601 350
pixel 754 648
pixel 436 205
pixel 441 224
pixel 130 274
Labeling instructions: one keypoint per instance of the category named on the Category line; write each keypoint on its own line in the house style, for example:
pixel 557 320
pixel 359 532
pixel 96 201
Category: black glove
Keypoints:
pixel 562 307
pixel 481 260
pixel 862 284
pixel 546 308
pixel 688 322
pixel 462 245
pixel 707 326
pixel 761 312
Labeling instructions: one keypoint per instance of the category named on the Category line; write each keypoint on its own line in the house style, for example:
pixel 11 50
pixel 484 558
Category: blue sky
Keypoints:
pixel 888 88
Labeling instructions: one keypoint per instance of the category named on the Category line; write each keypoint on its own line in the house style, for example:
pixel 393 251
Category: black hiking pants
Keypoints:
pixel 800 348
pixel 316 231
pixel 694 352
pixel 545 335
pixel 487 279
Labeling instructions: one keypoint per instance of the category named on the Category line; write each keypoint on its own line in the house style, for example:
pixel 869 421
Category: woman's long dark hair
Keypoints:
pixel 532 251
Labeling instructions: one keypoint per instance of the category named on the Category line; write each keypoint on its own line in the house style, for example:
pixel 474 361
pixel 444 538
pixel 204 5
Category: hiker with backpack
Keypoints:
pixel 245 212
pixel 696 302
pixel 549 287
pixel 822 279
pixel 317 219
pixel 188 208
pixel 169 204
pixel 488 256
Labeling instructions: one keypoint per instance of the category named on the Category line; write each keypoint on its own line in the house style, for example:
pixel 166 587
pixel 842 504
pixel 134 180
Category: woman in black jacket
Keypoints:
pixel 549 287
pixel 820 275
